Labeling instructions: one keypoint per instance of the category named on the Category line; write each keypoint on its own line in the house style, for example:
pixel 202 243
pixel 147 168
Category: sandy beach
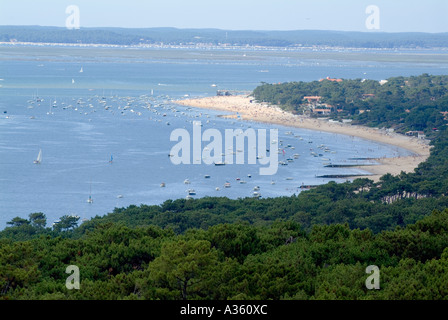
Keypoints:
pixel 250 110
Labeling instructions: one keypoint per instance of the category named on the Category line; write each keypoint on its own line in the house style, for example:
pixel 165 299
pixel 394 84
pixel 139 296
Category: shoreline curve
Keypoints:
pixel 250 110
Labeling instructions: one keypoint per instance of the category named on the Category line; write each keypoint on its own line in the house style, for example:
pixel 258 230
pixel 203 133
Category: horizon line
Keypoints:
pixel 234 30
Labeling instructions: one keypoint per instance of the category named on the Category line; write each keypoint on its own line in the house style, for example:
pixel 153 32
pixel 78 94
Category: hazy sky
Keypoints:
pixel 347 15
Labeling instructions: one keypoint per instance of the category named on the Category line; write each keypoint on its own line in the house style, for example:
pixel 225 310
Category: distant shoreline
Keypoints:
pixel 209 46
pixel 250 110
pixel 225 38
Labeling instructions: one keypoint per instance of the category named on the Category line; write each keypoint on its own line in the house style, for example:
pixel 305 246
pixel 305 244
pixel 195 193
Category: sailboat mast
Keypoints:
pixel 90 200
pixel 39 158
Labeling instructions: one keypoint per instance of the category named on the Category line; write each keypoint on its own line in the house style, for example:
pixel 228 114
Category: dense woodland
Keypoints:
pixel 314 245
pixel 174 36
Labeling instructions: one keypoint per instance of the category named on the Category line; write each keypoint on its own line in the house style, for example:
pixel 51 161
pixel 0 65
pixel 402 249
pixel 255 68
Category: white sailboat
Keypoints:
pixel 90 200
pixel 39 158
pixel 50 111
pixel 81 71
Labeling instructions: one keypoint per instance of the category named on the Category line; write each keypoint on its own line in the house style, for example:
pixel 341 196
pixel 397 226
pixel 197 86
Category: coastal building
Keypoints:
pixel 421 135
pixel 321 111
pixel 315 106
pixel 331 79
pixel 312 99
pixel 418 134
pixel 368 95
pixel 361 111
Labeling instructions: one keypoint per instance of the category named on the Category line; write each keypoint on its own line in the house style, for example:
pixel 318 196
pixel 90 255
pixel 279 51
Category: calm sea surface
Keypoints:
pixel 120 106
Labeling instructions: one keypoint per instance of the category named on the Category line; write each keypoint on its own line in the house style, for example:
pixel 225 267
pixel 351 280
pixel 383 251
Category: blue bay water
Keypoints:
pixel 122 106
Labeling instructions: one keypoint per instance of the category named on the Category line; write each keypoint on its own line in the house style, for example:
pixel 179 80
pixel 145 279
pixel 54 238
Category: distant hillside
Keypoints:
pixel 121 36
